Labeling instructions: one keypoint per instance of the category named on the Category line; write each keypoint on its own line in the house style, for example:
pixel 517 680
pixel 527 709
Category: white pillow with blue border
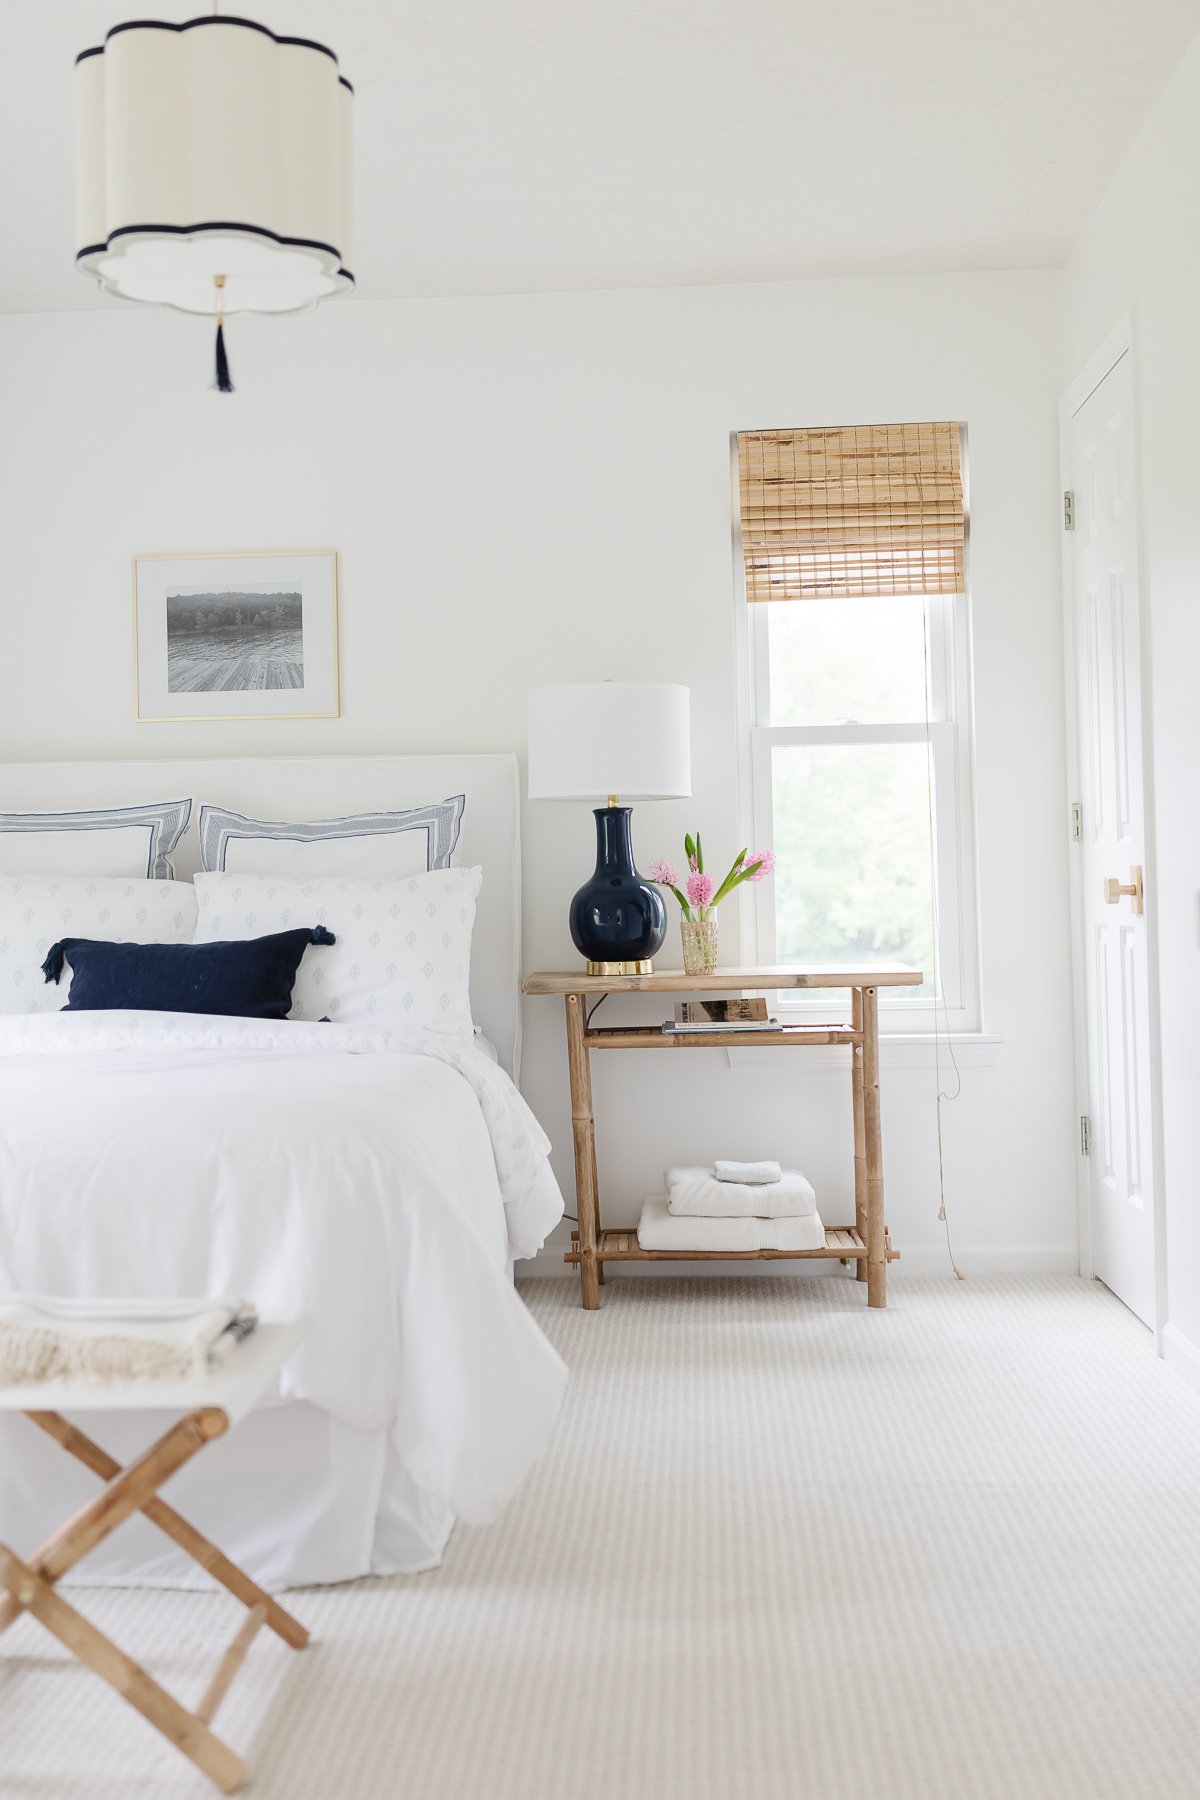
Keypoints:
pixel 110 841
pixel 363 846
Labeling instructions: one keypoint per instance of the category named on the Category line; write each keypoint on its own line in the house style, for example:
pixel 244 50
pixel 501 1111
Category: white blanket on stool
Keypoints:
pixel 660 1229
pixel 698 1194
pixel 98 1340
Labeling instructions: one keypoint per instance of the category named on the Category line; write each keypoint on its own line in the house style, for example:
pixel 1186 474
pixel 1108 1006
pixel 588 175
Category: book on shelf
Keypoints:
pixel 720 1015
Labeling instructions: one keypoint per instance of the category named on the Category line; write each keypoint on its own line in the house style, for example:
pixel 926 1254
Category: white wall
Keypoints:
pixel 536 489
pixel 1141 254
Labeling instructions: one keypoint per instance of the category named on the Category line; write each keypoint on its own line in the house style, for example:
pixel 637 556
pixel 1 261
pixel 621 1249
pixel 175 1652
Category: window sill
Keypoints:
pixel 897 1050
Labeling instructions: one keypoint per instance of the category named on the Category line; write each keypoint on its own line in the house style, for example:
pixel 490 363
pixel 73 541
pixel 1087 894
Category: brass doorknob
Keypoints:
pixel 1113 889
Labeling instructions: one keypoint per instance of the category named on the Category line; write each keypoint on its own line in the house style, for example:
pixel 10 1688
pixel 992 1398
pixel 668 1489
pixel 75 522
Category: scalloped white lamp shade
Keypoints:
pixel 214 148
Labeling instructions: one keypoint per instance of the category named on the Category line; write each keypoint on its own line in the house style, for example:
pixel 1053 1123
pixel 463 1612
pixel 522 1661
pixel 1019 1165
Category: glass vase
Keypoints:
pixel 699 945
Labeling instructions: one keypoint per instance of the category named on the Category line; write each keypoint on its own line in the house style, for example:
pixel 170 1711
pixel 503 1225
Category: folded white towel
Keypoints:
pixel 98 1341
pixel 660 1229
pixel 748 1174
pixel 697 1194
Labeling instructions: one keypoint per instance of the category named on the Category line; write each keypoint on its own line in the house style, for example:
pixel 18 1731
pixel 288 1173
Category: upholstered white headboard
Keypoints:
pixel 322 787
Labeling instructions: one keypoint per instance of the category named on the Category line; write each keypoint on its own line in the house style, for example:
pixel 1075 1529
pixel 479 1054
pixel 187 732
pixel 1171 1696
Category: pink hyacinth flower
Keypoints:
pixel 664 872
pixel 766 860
pixel 700 888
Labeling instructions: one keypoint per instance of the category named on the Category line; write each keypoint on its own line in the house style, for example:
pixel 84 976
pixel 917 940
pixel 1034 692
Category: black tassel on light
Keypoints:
pixel 321 935
pixel 224 384
pixel 52 968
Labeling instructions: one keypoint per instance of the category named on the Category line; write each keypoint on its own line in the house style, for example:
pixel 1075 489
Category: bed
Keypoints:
pixel 382 1180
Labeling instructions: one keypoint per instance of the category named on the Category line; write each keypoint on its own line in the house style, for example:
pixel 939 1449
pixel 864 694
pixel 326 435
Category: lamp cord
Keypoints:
pixel 935 923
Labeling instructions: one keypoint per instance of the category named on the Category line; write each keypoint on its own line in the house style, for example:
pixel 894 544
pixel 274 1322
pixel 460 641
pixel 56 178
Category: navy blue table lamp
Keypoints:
pixel 612 741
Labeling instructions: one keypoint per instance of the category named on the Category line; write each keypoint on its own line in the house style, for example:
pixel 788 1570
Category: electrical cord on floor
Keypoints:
pixel 943 1217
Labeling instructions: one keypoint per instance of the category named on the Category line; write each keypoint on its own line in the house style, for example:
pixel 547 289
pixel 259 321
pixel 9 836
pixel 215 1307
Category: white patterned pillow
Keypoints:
pixel 36 911
pixel 403 951
pixel 106 841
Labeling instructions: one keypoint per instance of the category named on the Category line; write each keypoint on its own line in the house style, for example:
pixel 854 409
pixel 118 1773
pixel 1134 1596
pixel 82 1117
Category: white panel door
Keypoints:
pixel 1104 600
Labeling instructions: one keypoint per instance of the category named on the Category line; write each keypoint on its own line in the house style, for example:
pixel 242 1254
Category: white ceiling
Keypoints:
pixel 518 145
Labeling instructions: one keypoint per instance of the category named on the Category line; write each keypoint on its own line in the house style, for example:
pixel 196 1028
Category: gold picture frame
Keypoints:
pixel 253 630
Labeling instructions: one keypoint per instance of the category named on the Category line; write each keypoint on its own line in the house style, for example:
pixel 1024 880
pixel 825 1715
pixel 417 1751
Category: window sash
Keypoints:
pixel 949 742
pixel 941 669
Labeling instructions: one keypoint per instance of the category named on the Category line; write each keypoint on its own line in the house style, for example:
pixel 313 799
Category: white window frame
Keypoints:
pixel 950 739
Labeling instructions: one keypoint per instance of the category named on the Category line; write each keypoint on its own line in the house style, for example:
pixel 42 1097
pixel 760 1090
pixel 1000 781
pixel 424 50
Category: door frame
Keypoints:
pixel 1120 342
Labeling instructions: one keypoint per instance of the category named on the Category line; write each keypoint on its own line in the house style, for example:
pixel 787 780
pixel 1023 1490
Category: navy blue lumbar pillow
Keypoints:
pixel 250 978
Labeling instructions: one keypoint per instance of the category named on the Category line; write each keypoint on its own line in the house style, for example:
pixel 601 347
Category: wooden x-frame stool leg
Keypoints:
pixel 30 1586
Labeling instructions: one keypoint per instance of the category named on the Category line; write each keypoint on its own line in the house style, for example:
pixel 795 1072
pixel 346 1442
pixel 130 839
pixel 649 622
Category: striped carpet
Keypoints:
pixel 780 1547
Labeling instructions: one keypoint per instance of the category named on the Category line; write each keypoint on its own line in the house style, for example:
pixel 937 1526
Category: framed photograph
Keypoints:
pixel 248 635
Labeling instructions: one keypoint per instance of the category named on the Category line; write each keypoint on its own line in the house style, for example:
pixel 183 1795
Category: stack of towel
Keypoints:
pixel 732 1206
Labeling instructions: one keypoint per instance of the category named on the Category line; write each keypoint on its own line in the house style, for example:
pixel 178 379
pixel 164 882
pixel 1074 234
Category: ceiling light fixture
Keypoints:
pixel 213 169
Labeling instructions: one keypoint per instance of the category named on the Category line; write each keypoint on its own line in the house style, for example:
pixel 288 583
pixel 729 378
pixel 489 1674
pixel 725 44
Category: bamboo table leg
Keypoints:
pixel 860 1130
pixel 583 1127
pixel 876 1234
pixel 595 1172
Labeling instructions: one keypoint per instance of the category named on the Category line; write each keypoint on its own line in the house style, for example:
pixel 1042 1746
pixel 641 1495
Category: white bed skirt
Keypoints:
pixel 293 1495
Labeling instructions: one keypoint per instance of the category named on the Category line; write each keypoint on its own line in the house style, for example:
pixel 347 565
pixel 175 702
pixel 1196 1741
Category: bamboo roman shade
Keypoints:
pixel 851 511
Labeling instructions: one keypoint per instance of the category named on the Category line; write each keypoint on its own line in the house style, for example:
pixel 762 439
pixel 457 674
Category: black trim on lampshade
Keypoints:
pixel 214 225
pixel 212 19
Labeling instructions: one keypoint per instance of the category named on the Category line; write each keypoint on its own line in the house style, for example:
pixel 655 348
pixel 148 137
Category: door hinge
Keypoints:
pixel 1076 820
pixel 1068 510
pixel 1085 1135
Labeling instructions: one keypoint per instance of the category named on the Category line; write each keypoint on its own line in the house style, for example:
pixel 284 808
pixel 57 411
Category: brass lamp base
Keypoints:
pixel 644 966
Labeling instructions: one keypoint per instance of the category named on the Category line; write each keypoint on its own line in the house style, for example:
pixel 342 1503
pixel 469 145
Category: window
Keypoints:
pixel 858 703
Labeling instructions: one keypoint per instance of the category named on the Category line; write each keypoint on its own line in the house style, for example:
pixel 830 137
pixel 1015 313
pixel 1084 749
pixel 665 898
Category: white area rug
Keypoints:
pixel 781 1547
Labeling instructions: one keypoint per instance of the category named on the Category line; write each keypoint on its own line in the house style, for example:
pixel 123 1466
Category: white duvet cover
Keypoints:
pixel 381 1182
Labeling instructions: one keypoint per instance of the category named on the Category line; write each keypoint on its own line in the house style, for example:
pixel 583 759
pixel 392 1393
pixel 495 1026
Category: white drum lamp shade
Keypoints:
pixel 590 740
pixel 612 742
pixel 214 167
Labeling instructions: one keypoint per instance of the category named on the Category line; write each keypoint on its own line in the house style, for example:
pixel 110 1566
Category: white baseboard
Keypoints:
pixel 1180 1354
pixel 1052 1259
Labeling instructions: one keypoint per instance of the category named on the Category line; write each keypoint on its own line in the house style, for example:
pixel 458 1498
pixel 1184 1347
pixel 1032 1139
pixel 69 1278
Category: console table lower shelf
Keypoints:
pixel 866 1244
pixel 842 1241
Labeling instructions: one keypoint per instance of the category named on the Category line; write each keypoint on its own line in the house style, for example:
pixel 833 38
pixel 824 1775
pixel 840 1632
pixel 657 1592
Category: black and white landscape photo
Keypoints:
pixel 224 639
pixel 238 635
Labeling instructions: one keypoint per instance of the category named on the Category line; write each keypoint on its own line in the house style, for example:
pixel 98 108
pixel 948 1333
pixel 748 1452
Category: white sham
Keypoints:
pixel 403 951
pixel 36 911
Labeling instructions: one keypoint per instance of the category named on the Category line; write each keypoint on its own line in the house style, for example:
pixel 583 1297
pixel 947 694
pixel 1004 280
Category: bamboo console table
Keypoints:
pixel 867 1243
